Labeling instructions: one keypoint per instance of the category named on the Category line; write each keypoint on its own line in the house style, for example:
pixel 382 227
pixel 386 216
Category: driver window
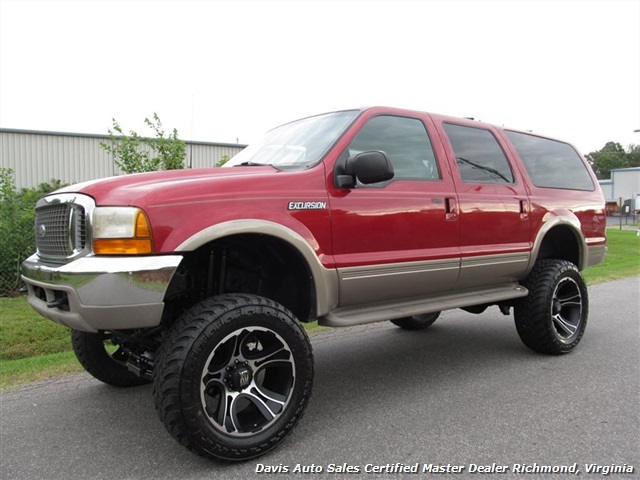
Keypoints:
pixel 405 141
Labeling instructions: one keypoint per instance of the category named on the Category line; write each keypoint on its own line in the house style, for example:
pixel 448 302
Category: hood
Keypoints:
pixel 147 189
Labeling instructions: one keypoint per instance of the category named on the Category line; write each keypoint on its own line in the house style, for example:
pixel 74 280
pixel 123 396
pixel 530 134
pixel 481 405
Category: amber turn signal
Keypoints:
pixel 114 221
pixel 122 246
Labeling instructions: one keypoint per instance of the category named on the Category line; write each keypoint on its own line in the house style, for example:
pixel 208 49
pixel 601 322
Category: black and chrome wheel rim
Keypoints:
pixel 566 309
pixel 247 381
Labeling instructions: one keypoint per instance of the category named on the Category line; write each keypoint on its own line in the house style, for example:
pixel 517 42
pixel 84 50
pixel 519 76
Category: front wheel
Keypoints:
pixel 233 376
pixel 104 358
pixel 553 317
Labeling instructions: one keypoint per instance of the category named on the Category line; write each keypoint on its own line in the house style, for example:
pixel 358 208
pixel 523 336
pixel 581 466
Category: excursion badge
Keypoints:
pixel 307 205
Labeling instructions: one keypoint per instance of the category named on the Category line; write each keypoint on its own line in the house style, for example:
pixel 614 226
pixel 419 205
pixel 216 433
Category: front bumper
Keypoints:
pixel 100 293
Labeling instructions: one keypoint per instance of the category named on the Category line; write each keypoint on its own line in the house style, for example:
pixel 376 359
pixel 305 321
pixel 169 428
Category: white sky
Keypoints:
pixel 225 70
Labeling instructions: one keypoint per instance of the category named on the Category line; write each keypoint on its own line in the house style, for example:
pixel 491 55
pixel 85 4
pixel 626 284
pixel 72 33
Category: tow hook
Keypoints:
pixel 142 365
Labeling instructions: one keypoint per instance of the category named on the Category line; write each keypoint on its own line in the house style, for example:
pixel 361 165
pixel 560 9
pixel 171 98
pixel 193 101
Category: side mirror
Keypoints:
pixel 367 167
pixel 372 167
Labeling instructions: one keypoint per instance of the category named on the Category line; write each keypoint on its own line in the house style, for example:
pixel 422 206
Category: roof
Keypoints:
pixel 107 137
pixel 630 169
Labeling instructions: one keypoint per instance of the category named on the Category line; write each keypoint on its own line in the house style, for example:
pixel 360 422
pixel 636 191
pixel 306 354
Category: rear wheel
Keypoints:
pixel 416 322
pixel 103 358
pixel 233 376
pixel 553 317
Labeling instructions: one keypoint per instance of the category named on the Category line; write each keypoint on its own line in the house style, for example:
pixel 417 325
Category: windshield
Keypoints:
pixel 302 143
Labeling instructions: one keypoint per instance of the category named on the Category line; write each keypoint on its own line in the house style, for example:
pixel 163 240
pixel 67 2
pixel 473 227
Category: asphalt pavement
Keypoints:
pixel 464 392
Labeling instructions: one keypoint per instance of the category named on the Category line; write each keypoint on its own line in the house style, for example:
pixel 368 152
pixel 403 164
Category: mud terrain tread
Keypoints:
pixel 532 313
pixel 171 371
pixel 90 352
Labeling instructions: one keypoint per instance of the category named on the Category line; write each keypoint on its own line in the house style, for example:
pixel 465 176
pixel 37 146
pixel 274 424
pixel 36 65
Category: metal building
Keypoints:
pixel 622 189
pixel 39 156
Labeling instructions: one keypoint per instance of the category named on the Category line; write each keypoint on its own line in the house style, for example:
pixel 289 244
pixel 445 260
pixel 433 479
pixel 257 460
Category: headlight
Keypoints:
pixel 121 231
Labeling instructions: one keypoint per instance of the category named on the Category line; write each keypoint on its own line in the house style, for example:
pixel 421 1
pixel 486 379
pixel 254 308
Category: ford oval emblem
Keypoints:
pixel 42 231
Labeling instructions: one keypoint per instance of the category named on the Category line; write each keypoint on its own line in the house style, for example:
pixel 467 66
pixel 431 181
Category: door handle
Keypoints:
pixel 524 209
pixel 451 209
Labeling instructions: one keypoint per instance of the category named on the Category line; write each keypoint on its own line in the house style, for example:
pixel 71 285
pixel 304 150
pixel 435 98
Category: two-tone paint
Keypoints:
pixel 376 252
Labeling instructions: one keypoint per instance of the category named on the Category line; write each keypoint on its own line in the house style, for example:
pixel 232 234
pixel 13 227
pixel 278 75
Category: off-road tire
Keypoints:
pixel 416 322
pixel 199 376
pixel 553 317
pixel 108 367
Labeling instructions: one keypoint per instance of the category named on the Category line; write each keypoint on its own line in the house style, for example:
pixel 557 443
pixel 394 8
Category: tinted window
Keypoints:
pixel 298 144
pixel 406 142
pixel 551 164
pixel 478 155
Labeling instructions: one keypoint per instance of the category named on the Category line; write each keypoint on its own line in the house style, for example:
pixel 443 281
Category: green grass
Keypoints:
pixel 622 260
pixel 24 333
pixel 14 373
pixel 32 348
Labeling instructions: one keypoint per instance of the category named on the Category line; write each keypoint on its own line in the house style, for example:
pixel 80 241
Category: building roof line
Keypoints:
pixel 628 169
pixel 107 137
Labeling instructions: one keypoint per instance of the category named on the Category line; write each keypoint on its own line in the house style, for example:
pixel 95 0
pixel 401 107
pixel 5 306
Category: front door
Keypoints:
pixel 399 238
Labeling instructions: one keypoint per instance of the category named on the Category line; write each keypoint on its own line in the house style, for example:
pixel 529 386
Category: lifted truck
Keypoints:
pixel 197 280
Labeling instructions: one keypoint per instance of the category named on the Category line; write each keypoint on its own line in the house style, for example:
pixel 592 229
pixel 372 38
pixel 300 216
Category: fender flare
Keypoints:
pixel 325 280
pixel 565 220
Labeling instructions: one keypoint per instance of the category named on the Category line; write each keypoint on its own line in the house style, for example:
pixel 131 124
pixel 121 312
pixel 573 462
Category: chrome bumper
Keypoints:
pixel 100 293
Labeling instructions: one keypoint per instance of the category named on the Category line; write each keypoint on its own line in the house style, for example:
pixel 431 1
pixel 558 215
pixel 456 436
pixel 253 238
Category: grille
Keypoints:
pixel 60 230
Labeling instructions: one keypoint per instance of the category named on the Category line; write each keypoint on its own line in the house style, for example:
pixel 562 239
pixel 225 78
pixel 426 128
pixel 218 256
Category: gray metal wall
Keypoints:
pixel 607 189
pixel 201 155
pixel 38 157
pixel 626 183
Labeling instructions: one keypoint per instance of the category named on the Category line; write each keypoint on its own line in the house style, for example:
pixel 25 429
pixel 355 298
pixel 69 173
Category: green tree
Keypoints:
pixel 606 162
pixel 612 156
pixel 134 154
pixel 224 159
pixel 633 155
pixel 613 147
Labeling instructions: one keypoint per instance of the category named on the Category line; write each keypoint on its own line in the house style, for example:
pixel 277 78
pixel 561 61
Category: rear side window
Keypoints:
pixel 478 155
pixel 551 164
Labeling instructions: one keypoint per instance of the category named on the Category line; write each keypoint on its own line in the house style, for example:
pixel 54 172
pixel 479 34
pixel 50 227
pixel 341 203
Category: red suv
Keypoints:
pixel 198 280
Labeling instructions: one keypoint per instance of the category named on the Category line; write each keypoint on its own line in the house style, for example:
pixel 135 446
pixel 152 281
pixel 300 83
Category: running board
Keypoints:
pixel 369 313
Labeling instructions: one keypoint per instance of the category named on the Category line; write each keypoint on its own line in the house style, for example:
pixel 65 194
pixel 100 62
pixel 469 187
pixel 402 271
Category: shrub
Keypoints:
pixel 134 154
pixel 17 217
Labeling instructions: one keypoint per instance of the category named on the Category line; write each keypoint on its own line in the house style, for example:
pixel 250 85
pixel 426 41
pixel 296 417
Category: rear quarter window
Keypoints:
pixel 551 164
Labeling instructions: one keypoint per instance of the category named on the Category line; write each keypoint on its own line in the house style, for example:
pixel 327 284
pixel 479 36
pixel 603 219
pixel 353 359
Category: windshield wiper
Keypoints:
pixel 253 164
pixel 483 168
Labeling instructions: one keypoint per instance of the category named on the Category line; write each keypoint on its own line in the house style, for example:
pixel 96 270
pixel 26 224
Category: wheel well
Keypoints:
pixel 562 243
pixel 244 263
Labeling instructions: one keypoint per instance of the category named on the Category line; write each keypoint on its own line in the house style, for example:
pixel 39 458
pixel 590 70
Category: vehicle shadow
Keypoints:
pixel 368 379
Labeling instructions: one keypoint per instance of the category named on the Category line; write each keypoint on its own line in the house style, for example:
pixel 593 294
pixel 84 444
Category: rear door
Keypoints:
pixel 493 202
